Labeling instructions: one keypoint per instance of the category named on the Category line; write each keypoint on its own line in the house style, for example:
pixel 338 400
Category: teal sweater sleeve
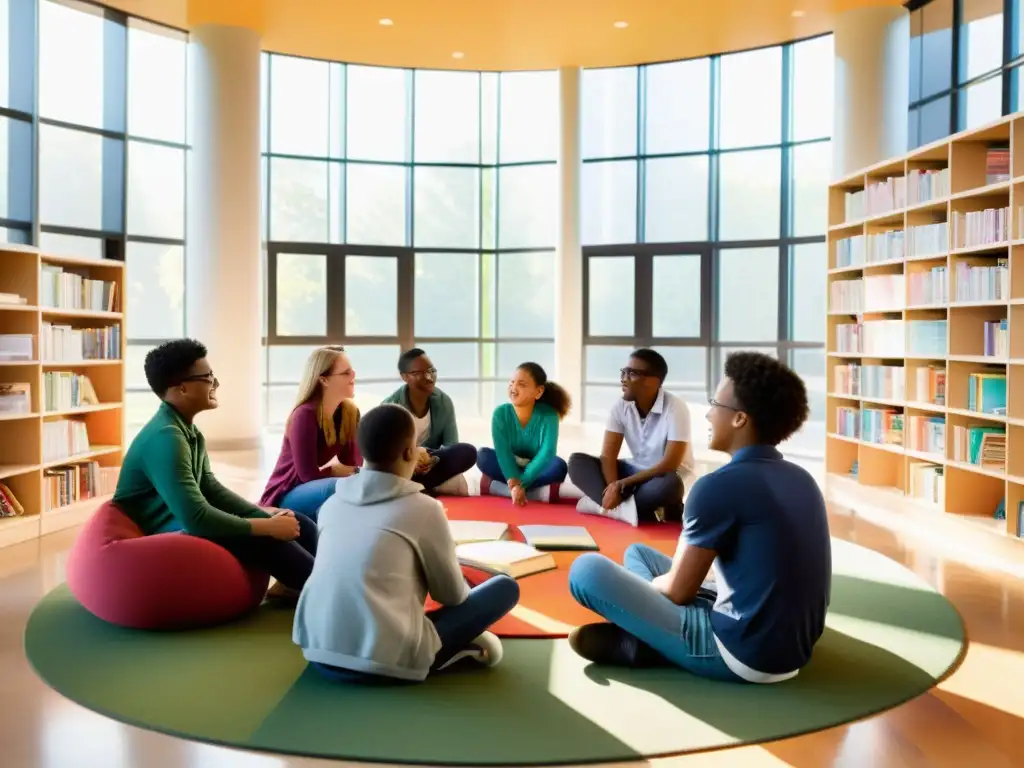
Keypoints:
pixel 503 426
pixel 168 464
pixel 544 428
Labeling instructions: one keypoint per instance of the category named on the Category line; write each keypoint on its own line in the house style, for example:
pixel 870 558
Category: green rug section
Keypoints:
pixel 890 637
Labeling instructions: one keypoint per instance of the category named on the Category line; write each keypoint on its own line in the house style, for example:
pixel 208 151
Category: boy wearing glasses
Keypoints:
pixel 655 425
pixel 442 458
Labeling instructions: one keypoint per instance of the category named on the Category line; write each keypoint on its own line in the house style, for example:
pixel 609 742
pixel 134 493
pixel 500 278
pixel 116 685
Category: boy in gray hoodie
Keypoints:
pixel 383 546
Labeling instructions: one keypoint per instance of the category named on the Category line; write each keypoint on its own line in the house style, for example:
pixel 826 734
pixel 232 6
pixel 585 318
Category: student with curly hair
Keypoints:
pixel 525 434
pixel 166 485
pixel 759 521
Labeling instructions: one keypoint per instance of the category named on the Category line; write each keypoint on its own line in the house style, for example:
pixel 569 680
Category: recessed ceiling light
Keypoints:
pixel 385 22
pixel 458 55
pixel 620 24
pixel 797 14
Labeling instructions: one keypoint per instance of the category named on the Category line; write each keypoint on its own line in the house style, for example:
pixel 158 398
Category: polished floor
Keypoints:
pixel 974 718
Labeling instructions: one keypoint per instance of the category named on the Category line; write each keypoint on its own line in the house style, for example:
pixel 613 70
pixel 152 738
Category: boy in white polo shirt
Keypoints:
pixel 655 425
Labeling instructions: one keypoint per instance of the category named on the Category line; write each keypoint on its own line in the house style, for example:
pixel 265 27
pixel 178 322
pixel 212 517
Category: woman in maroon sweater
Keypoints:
pixel 320 429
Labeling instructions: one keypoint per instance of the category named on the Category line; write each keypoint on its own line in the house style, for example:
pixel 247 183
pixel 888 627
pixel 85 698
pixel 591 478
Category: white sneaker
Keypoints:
pixel 624 513
pixel 486 649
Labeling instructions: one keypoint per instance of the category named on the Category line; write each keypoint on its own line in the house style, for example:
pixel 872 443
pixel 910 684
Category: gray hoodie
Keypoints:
pixel 383 546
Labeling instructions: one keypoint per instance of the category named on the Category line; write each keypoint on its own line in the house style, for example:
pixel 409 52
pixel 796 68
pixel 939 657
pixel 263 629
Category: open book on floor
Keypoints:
pixel 558 537
pixel 511 557
pixel 468 531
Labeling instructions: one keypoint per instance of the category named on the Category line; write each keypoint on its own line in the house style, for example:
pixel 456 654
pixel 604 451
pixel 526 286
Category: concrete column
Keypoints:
pixel 222 271
pixel 872 87
pixel 569 272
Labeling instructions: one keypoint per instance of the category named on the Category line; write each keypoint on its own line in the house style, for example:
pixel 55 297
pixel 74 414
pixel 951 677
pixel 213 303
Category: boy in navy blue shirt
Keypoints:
pixel 759 522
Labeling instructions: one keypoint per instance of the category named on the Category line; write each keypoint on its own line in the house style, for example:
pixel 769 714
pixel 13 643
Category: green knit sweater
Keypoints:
pixel 537 441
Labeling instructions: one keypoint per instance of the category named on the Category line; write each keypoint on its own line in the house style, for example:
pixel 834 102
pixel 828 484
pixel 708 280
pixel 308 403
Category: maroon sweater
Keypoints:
pixel 304 451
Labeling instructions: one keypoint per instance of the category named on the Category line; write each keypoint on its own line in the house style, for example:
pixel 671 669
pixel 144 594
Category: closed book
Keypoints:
pixel 510 557
pixel 558 537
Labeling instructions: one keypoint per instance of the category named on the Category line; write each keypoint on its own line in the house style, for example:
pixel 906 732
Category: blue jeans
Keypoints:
pixel 456 625
pixel 555 472
pixel 623 595
pixel 306 499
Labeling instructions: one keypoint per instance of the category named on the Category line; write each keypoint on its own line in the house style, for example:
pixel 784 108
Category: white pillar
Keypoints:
pixel 872 87
pixel 222 270
pixel 569 273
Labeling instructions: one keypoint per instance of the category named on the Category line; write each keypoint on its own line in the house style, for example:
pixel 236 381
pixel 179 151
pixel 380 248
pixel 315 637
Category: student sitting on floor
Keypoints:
pixel 759 521
pixel 165 483
pixel 384 546
pixel 525 434
pixel 442 458
pixel 655 425
pixel 319 443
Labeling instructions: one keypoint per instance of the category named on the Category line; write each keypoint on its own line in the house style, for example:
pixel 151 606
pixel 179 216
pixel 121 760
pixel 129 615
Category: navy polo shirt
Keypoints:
pixel 765 517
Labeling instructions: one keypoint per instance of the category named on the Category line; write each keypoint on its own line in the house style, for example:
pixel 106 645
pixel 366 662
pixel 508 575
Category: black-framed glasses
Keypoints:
pixel 716 404
pixel 633 373
pixel 209 378
pixel 429 373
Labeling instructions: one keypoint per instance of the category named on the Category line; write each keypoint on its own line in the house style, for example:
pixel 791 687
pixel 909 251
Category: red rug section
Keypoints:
pixel 548 593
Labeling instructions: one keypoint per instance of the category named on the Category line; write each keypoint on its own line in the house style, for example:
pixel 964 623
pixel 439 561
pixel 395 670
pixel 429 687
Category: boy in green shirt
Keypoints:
pixel 165 484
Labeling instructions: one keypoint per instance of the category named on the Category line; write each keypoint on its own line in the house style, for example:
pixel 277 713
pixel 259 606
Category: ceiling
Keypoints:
pixel 507 34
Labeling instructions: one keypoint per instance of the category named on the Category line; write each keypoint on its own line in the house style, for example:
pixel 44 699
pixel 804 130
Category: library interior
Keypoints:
pixel 539 285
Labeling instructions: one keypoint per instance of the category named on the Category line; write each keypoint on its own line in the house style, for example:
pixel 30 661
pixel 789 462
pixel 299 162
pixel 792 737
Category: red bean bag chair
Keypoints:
pixel 166 581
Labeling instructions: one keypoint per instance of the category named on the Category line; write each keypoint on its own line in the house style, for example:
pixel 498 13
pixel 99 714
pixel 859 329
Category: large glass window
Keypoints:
pixel 424 204
pixel 704 215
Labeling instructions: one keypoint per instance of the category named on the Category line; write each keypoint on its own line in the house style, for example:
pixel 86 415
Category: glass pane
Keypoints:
pixel 1018 36
pixel 526 295
pixel 809 364
pixel 722 354
pixel 748 294
pixel 808 267
pixel 598 401
pixel 750 195
pixel 603 363
pixel 751 98
pixel 156 88
pixel 280 402
pixel 981 103
pixel 301 294
pixel 71 83
pixel 609 112
pixel 513 354
pixel 376 204
pixel 376 362
pixel 18 63
pixel 16 169
pixel 981 37
pixel 139 408
pixel 489 117
pixel 378 115
pixel 155 280
pixel 447 117
pixel 915 54
pixel 676 199
pixel 447 295
pixel 300 109
pixel 447 207
pixel 528 116
pixel 609 202
pixel 286 363
pixel 71 245
pixel 134 367
pixel 299 202
pixel 453 361
pixel 934 120
pixel 812 166
pixel 73 167
pixel 156 191
pixel 678 106
pixel 677 295
pixel 465 397
pixel 371 296
pixel 936 47
pixel 527 206
pixel 687 371
pixel 612 300
pixel 812 88
pixel 9 235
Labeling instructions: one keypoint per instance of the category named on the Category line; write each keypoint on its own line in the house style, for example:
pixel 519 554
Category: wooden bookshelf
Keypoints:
pixel 35 445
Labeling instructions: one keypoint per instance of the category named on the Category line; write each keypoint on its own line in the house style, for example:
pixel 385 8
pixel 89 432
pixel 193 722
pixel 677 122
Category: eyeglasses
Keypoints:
pixel 633 374
pixel 715 404
pixel 429 373
pixel 209 378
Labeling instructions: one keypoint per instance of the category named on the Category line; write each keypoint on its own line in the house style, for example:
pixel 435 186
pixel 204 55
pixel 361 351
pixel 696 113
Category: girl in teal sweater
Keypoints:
pixel 525 435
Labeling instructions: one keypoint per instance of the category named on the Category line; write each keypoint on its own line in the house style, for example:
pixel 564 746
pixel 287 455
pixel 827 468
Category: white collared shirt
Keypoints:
pixel 668 421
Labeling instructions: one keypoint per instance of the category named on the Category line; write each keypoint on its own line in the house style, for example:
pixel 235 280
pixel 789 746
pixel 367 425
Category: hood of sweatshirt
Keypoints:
pixel 369 486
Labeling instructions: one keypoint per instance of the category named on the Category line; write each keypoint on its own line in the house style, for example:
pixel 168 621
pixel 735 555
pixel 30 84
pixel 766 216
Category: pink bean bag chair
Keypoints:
pixel 166 581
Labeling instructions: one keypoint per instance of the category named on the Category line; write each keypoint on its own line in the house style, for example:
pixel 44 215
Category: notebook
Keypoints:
pixel 511 557
pixel 468 531
pixel 558 537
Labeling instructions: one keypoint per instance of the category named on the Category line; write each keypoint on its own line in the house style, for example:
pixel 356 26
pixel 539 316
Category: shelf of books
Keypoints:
pixel 926 327
pixel 61 389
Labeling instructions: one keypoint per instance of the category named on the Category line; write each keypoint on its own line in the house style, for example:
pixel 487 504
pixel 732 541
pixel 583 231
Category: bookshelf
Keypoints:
pixel 61 389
